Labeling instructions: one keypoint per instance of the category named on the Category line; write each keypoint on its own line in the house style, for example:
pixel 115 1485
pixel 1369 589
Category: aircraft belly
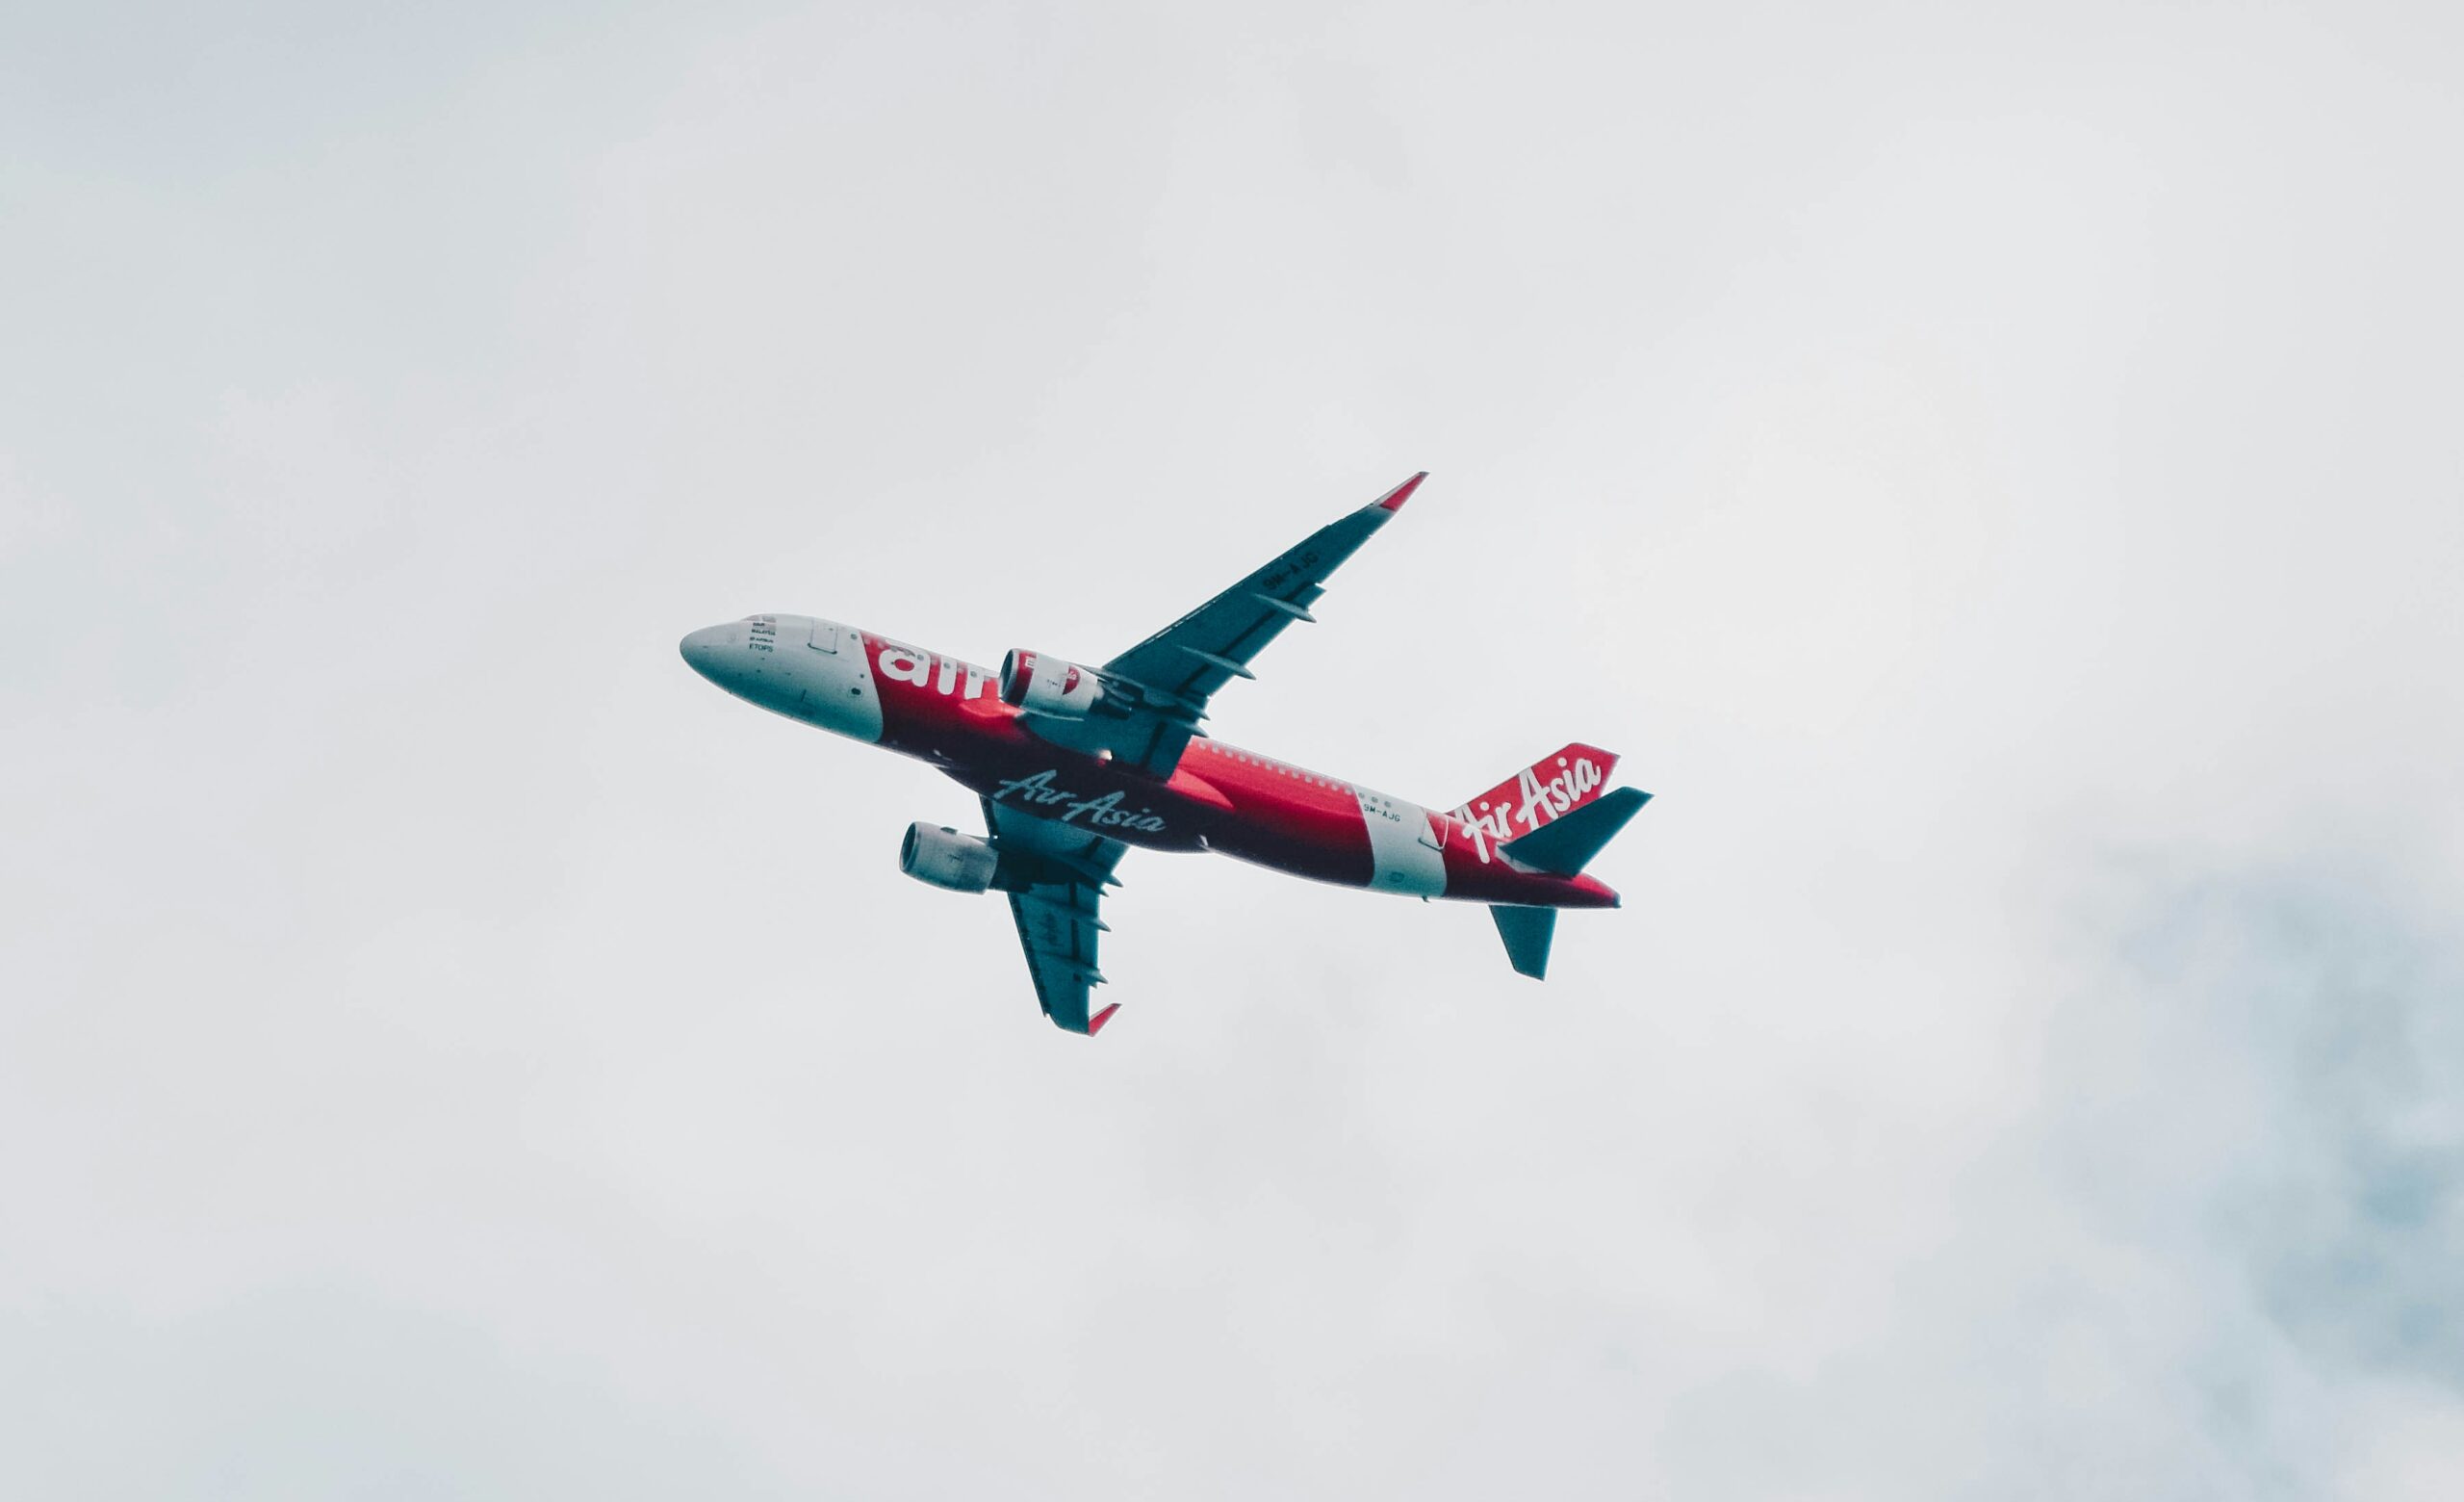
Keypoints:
pixel 1048 783
pixel 1323 844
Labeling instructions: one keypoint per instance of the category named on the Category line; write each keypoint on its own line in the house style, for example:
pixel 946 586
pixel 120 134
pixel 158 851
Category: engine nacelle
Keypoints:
pixel 942 857
pixel 1043 685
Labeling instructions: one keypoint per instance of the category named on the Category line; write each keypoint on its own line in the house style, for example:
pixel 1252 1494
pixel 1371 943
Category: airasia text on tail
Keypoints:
pixel 1557 783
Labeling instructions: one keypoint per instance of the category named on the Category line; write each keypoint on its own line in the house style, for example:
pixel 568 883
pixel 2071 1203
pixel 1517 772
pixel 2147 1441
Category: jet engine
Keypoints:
pixel 942 857
pixel 1043 685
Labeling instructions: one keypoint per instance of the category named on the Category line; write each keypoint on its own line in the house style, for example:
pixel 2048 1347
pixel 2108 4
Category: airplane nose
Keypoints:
pixel 704 650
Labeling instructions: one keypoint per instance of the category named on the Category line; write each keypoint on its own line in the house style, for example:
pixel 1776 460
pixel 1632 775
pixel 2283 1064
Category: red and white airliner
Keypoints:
pixel 1075 764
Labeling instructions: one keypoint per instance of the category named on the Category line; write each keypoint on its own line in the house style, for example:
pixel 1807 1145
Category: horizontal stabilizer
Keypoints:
pixel 1564 847
pixel 1527 932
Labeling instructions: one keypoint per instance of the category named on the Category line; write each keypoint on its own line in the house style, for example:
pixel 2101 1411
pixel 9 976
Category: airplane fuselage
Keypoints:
pixel 1254 808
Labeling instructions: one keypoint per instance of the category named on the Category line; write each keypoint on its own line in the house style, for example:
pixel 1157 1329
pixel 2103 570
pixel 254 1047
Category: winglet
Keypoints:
pixel 1095 1023
pixel 1392 500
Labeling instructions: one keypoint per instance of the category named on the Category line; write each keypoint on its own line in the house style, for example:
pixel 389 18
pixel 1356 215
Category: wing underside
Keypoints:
pixel 1057 908
pixel 1166 681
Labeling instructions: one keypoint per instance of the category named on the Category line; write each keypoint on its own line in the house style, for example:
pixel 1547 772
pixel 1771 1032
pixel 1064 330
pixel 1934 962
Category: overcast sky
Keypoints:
pixel 1992 472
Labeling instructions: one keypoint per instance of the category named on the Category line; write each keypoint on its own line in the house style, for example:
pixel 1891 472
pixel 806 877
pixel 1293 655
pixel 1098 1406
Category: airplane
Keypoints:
pixel 1075 764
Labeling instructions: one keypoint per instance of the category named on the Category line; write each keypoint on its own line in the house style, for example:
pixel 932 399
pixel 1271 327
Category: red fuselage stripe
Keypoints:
pixel 1220 798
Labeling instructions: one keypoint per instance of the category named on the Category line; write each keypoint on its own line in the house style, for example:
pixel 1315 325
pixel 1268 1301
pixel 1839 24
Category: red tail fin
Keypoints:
pixel 1558 783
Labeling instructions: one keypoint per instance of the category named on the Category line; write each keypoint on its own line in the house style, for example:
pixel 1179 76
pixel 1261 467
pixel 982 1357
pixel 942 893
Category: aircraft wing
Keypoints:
pixel 1176 670
pixel 1056 912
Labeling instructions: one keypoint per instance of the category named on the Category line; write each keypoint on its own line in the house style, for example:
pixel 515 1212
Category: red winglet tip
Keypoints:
pixel 1392 500
pixel 1095 1023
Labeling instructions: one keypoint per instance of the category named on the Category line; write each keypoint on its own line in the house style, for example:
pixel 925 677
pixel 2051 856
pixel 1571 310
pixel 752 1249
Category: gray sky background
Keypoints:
pixel 1993 472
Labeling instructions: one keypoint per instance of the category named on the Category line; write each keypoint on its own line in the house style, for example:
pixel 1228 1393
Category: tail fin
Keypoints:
pixel 1556 785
